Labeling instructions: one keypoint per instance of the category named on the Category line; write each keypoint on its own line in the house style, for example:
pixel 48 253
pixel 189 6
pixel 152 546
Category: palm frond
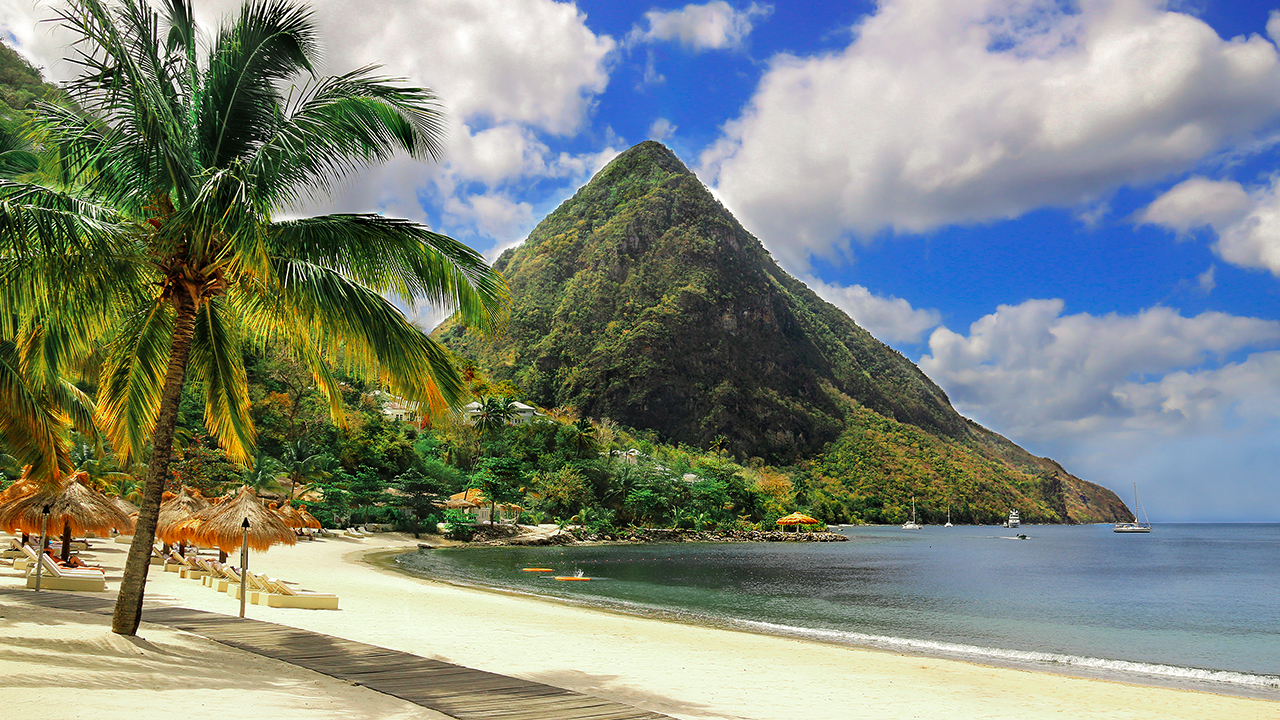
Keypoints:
pixel 133 377
pixel 30 431
pixel 218 362
pixel 126 83
pixel 339 125
pixel 401 257
pixel 358 327
pixel 239 100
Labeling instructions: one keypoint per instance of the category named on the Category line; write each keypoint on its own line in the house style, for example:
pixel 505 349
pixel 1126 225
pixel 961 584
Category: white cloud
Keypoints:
pixel 889 319
pixel 1247 223
pixel 964 111
pixel 1199 202
pixel 1032 373
pixel 712 26
pixel 1206 280
pixel 508 71
pixel 661 129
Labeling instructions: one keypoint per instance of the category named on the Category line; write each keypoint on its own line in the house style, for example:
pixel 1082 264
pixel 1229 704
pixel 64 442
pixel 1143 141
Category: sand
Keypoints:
pixel 681 670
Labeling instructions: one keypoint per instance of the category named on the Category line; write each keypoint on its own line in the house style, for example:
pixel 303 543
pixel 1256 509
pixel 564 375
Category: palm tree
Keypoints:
pixel 161 240
pixel 304 468
pixel 264 474
pixel 493 414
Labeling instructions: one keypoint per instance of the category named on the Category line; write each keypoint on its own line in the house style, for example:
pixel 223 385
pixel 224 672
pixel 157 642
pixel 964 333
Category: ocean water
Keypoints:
pixel 1191 605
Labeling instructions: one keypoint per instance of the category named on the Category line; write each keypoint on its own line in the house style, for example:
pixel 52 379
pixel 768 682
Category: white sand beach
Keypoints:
pixel 680 670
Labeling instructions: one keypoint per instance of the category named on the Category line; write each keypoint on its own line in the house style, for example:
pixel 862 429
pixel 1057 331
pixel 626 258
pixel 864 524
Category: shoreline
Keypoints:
pixel 684 670
pixel 386 561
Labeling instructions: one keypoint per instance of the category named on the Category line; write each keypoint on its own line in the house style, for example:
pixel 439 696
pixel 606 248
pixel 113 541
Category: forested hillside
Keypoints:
pixel 641 299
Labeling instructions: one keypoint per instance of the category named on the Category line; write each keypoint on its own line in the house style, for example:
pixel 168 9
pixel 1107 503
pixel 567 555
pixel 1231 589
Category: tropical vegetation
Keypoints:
pixel 151 255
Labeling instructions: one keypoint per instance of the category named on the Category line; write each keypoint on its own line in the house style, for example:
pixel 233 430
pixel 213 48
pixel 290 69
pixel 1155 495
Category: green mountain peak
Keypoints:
pixel 643 300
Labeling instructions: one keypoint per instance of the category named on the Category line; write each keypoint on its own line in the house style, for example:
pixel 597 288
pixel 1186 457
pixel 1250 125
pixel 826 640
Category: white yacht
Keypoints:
pixel 1013 521
pixel 948 519
pixel 1135 526
pixel 912 525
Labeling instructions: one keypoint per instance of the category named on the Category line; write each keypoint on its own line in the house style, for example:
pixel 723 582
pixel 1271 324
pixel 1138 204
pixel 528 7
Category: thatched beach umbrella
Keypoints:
pixel 797 519
pixel 21 487
pixel 288 514
pixel 308 520
pixel 72 506
pixel 186 503
pixel 223 528
pixel 124 506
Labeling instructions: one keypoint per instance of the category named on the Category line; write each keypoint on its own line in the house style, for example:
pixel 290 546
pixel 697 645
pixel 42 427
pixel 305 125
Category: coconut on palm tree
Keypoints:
pixel 163 241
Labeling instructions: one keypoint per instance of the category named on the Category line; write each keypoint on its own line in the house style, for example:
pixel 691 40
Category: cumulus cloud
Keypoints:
pixel 1247 224
pixel 1032 372
pixel 1199 202
pixel 661 129
pixel 713 26
pixel 889 319
pixel 509 72
pixel 961 111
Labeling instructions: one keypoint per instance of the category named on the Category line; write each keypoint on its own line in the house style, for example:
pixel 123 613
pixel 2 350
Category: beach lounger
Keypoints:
pixel 28 557
pixel 223 577
pixel 283 596
pixel 196 569
pixel 173 562
pixel 14 550
pixel 60 578
pixel 257 586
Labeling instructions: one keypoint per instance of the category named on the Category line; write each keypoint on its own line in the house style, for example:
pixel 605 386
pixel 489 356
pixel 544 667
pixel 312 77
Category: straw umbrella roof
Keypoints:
pixel 798 518
pixel 125 506
pixel 71 505
pixel 288 514
pixel 308 520
pixel 222 529
pixel 186 503
pixel 20 487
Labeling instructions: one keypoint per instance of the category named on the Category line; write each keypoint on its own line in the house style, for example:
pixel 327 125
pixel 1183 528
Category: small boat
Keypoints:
pixel 948 519
pixel 1135 526
pixel 536 569
pixel 913 525
pixel 578 578
pixel 1013 521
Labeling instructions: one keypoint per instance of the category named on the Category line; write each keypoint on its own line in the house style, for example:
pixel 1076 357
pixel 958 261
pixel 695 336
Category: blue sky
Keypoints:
pixel 1065 212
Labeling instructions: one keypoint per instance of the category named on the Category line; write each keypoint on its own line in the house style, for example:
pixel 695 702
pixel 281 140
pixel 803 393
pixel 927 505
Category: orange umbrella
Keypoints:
pixel 186 503
pixel 797 519
pixel 308 520
pixel 223 528
pixel 73 507
pixel 288 514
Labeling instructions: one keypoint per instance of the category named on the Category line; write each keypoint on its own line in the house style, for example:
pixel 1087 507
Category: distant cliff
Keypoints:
pixel 642 299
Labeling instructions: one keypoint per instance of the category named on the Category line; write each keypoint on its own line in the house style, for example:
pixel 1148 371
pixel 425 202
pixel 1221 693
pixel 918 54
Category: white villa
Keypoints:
pixel 521 414
pixel 397 408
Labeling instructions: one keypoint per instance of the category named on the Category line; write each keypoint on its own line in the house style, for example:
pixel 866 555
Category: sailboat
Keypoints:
pixel 913 525
pixel 948 518
pixel 1135 526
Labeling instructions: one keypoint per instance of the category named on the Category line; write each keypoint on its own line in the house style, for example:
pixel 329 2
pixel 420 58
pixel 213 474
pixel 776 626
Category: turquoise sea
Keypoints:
pixel 1191 605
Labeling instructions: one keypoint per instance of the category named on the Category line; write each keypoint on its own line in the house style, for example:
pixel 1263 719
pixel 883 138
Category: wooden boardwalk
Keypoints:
pixel 454 690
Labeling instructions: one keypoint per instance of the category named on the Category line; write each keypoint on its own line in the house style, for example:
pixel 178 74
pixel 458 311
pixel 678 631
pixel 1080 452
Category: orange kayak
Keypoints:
pixel 535 569
pixel 572 577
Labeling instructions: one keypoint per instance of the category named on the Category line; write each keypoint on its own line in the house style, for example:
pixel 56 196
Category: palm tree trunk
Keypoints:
pixel 128 611
pixel 66 542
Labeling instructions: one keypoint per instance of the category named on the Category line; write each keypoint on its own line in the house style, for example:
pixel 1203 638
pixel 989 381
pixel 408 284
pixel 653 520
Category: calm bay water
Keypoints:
pixel 1190 604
